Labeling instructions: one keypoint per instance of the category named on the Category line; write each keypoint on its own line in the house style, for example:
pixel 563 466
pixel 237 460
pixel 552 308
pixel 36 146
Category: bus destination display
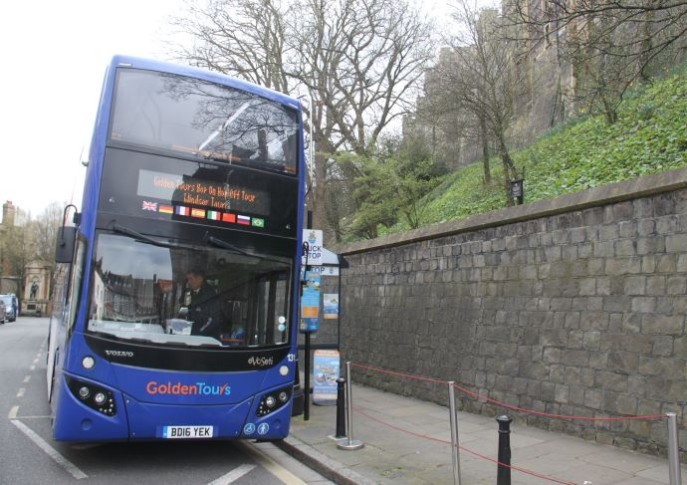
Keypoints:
pixel 201 199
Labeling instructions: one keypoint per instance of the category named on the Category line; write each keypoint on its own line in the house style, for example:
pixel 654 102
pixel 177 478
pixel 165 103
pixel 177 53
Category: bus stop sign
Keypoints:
pixel 314 239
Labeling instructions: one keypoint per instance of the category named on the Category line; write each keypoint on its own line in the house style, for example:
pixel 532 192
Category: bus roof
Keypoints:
pixel 153 65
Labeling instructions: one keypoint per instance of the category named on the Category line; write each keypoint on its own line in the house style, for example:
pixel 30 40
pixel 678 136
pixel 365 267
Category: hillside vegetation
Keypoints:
pixel 650 136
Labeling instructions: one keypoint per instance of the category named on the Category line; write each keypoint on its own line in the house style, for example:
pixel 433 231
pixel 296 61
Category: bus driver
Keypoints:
pixel 203 308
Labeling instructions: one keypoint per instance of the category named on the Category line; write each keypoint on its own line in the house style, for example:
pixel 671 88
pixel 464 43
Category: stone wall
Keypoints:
pixel 573 306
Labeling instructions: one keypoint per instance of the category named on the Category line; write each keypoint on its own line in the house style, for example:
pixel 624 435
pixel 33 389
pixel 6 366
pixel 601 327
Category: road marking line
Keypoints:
pixel 21 392
pixel 13 412
pixel 35 361
pixel 233 475
pixel 27 379
pixel 29 417
pixel 51 452
pixel 271 466
pixel 33 367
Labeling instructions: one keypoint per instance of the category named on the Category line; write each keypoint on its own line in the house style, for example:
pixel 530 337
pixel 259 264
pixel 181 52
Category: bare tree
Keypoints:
pixel 44 231
pixel 612 43
pixel 481 77
pixel 361 60
pixel 364 64
pixel 245 38
pixel 447 126
pixel 33 239
pixel 358 60
pixel 15 252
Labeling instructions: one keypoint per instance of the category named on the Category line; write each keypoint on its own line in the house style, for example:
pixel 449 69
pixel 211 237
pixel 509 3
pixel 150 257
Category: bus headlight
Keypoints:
pixel 93 396
pixel 272 401
pixel 88 362
pixel 100 398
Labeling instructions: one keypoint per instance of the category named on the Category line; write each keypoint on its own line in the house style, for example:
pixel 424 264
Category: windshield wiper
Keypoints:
pixel 225 245
pixel 143 238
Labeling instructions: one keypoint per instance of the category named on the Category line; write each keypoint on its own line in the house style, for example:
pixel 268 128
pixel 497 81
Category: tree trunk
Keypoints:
pixel 509 171
pixel 485 149
pixel 318 207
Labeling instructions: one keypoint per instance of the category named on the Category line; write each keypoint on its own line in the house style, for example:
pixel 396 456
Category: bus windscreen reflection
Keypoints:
pixel 180 295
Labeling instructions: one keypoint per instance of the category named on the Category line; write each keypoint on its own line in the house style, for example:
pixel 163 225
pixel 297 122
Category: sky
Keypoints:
pixel 53 58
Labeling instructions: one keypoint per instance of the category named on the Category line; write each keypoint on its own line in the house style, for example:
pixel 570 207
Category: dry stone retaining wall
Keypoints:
pixel 574 306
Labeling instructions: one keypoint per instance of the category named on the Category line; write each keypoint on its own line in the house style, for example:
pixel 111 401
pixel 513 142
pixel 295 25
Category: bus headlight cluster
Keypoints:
pixel 273 401
pixel 93 396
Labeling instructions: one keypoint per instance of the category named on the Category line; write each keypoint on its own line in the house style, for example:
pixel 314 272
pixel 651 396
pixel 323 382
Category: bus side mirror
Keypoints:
pixel 64 247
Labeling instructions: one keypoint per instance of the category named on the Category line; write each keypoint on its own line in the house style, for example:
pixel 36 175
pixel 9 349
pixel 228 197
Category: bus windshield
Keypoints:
pixel 170 293
pixel 204 120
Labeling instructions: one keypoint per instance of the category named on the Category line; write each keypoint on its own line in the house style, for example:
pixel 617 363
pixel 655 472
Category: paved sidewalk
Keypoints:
pixel 400 454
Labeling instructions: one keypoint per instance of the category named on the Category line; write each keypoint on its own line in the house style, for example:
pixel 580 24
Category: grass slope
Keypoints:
pixel 649 137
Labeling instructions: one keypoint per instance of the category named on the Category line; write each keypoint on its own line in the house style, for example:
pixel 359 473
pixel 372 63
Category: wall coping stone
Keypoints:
pixel 647 185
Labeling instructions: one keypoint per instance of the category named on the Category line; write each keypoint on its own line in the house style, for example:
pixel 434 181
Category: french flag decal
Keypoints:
pixel 183 211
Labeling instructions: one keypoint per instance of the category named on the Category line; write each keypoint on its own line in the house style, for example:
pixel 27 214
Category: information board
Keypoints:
pixel 326 368
pixel 310 303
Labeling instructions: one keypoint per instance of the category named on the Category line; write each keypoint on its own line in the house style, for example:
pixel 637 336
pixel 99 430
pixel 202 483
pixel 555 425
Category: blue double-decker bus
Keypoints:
pixel 175 299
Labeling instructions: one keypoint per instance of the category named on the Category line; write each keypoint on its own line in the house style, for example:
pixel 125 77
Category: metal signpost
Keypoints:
pixel 310 301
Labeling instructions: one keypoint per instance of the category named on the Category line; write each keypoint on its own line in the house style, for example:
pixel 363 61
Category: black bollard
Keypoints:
pixel 340 409
pixel 503 474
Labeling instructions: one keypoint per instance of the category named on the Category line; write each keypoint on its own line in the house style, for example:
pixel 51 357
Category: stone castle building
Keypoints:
pixel 9 212
pixel 552 78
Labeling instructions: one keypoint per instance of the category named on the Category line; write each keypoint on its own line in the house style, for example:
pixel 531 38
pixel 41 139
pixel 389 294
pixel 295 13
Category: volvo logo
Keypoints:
pixel 119 353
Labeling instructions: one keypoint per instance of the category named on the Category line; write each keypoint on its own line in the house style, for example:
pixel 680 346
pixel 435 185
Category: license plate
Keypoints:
pixel 187 432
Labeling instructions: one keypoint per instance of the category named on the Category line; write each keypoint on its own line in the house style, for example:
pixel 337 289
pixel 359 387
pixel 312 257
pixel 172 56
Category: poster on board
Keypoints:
pixel 326 367
pixel 310 303
pixel 330 306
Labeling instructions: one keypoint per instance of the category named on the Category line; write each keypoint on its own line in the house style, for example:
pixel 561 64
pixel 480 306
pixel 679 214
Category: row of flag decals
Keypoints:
pixel 212 215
